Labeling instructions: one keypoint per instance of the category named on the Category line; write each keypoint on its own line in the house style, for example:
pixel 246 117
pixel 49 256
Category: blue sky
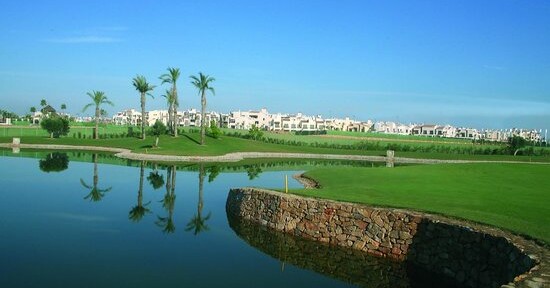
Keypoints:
pixel 484 64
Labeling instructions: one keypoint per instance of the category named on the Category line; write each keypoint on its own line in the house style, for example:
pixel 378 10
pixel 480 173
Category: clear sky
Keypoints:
pixel 484 64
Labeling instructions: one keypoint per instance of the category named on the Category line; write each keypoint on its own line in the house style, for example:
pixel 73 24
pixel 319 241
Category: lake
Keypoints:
pixel 76 219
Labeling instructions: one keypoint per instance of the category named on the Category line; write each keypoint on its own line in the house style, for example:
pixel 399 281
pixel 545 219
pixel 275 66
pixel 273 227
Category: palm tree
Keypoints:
pixel 172 77
pixel 43 103
pixel 170 101
pixel 96 194
pixel 141 85
pixel 138 211
pixel 63 107
pixel 203 83
pixel 198 223
pixel 98 98
pixel 33 109
pixel 169 202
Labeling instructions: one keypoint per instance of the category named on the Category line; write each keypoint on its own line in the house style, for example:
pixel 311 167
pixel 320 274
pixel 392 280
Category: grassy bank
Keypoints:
pixel 187 144
pixel 512 196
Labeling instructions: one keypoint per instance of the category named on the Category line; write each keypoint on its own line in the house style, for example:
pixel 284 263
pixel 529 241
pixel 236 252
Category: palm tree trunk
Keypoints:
pixel 175 109
pixel 96 122
pixel 203 114
pixel 96 176
pixel 168 180
pixel 173 180
pixel 170 125
pixel 143 116
pixel 201 188
pixel 140 191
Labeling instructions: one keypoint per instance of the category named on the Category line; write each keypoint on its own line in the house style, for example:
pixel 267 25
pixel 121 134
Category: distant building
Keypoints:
pixel 127 117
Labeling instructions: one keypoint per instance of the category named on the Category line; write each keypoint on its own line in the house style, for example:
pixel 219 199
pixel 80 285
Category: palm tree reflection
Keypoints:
pixel 168 202
pixel 138 211
pixel 96 194
pixel 198 223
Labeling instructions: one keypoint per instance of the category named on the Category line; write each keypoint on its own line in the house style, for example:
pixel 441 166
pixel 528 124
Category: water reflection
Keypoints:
pixel 347 265
pixel 198 222
pixel 54 162
pixel 155 179
pixel 138 211
pixel 168 202
pixel 96 193
pixel 253 171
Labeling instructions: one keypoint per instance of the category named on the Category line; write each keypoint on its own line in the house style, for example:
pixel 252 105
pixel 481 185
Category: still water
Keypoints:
pixel 81 220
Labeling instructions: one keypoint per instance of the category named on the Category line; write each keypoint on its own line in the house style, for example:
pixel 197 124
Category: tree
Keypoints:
pixel 170 101
pixel 63 107
pixel 156 130
pixel 43 103
pixel 198 222
pixel 54 162
pixel 96 193
pixel 214 131
pixel 137 212
pixel 515 143
pixel 171 78
pixel 56 126
pixel 202 83
pixel 98 98
pixel 255 133
pixel 141 85
pixel 33 109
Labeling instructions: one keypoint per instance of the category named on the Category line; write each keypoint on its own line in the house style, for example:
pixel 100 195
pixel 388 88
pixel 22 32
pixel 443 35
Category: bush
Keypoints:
pixel 56 126
pixel 213 131
pixel 255 133
pixel 156 130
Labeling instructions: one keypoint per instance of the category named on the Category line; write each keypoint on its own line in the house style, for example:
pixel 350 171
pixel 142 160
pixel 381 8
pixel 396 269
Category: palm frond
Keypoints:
pixel 87 106
pixel 84 184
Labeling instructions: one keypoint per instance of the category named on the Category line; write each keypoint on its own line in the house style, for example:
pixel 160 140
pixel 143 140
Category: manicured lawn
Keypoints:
pixel 85 129
pixel 512 196
pixel 187 144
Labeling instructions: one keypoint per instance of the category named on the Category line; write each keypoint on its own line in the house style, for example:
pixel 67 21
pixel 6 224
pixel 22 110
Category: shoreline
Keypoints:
pixel 239 156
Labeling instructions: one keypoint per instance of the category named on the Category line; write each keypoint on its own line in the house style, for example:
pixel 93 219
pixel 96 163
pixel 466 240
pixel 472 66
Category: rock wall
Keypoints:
pixel 473 258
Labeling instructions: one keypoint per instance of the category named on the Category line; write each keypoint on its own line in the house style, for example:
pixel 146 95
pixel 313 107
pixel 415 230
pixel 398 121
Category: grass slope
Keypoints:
pixel 512 196
pixel 188 144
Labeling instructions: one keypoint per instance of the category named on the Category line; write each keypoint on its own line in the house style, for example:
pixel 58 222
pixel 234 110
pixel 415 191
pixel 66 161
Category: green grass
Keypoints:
pixel 515 197
pixel 399 137
pixel 84 128
pixel 187 144
pixel 356 137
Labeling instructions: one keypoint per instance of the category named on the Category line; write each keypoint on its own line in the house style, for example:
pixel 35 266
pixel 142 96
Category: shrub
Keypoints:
pixel 213 131
pixel 56 126
pixel 255 133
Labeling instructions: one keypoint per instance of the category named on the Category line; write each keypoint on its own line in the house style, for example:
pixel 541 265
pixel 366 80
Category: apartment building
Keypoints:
pixel 127 117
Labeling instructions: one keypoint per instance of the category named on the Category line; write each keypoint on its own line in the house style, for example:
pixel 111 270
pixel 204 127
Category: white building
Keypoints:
pixel 154 115
pixel 245 119
pixel 127 117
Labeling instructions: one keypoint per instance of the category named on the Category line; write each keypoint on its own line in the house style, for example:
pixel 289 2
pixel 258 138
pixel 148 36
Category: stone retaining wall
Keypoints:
pixel 473 258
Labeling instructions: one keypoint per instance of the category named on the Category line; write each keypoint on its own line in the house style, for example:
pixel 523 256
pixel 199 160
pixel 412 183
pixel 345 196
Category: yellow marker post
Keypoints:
pixel 286 183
